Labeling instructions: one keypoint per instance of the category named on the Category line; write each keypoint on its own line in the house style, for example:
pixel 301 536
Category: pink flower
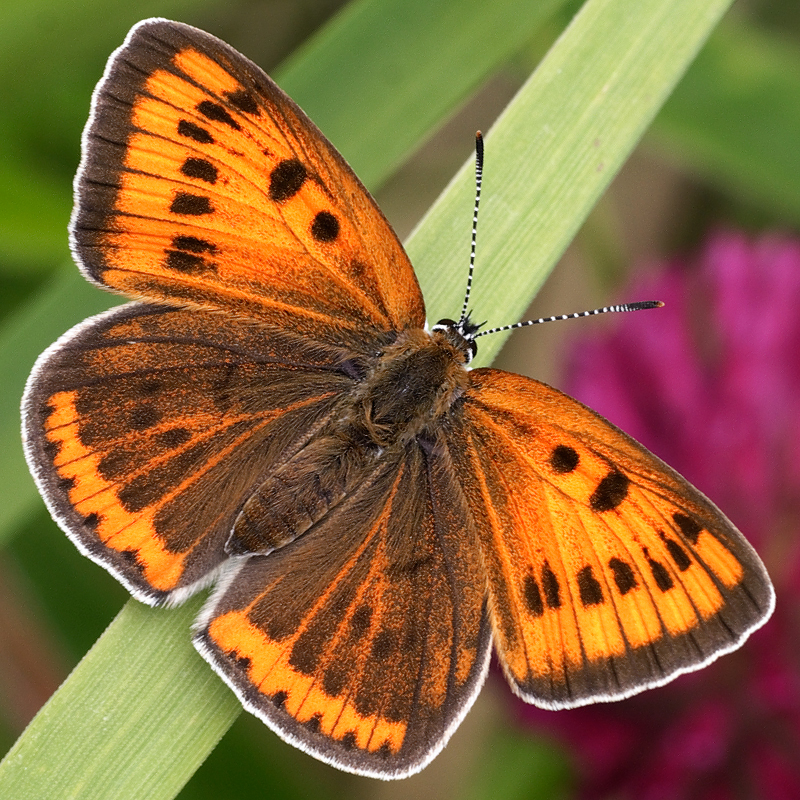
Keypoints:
pixel 711 384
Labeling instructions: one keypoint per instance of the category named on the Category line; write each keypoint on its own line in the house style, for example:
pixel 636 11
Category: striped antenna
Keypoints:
pixel 478 179
pixel 620 309
pixel 470 330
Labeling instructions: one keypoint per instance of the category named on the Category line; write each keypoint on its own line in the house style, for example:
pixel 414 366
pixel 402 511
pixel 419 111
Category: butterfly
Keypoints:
pixel 272 416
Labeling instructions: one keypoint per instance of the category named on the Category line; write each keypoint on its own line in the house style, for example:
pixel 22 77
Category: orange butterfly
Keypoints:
pixel 271 415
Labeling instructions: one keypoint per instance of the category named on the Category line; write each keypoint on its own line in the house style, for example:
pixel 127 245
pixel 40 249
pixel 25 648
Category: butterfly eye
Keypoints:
pixel 445 324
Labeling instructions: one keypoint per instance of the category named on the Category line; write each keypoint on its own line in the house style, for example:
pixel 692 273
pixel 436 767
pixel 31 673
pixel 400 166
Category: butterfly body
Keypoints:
pixel 271 416
pixel 400 394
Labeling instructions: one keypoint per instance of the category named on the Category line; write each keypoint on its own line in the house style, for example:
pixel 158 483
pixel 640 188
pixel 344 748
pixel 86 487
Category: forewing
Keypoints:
pixel 608 572
pixel 203 184
pixel 365 641
pixel 146 428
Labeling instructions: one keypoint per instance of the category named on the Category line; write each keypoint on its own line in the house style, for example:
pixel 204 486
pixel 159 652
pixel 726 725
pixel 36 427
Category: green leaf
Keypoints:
pixel 549 157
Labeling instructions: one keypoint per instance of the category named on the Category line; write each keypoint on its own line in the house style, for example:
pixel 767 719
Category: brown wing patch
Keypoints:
pixel 608 572
pixel 203 184
pixel 102 503
pixel 369 630
pixel 148 428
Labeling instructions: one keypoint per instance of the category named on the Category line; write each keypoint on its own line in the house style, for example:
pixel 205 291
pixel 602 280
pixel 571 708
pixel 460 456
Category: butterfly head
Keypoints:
pixel 461 335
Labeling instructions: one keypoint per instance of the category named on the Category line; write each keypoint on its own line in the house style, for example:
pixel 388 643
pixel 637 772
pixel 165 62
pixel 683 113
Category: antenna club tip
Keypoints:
pixel 478 135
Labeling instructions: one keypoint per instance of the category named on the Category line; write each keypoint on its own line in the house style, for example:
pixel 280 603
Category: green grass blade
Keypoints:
pixel 119 727
pixel 552 153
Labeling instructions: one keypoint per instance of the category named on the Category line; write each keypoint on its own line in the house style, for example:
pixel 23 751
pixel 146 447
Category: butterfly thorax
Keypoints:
pixel 406 390
pixel 411 385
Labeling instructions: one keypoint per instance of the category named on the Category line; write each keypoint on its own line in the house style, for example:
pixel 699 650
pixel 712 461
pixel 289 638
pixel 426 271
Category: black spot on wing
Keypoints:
pixel 314 723
pixel 335 679
pixel 66 485
pixel 200 169
pixel 610 492
pixel 623 575
pixel 384 645
pixel 360 621
pixel 144 417
pixel 244 663
pixel 142 491
pixel 552 591
pixel 243 100
pixel 194 132
pixel 678 555
pixel 188 263
pixel 113 465
pixel 91 521
pixel 349 740
pixel 304 657
pixel 563 459
pixel 131 557
pixel 688 526
pixel 193 244
pixel 191 205
pixel 217 113
pixel 187 255
pixel 591 592
pixel 279 698
pixel 659 572
pixel 286 180
pixel 385 750
pixel 150 386
pixel 174 438
pixel 325 227
pixel 533 596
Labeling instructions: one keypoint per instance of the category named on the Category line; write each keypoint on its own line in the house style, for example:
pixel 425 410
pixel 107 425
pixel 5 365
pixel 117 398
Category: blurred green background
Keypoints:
pixel 724 149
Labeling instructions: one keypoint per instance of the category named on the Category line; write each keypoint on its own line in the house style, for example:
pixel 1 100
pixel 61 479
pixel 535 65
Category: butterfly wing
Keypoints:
pixel 364 641
pixel 202 184
pixel 147 427
pixel 608 572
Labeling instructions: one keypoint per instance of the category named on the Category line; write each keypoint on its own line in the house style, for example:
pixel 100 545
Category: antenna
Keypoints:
pixel 470 330
pixel 619 309
pixel 478 180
